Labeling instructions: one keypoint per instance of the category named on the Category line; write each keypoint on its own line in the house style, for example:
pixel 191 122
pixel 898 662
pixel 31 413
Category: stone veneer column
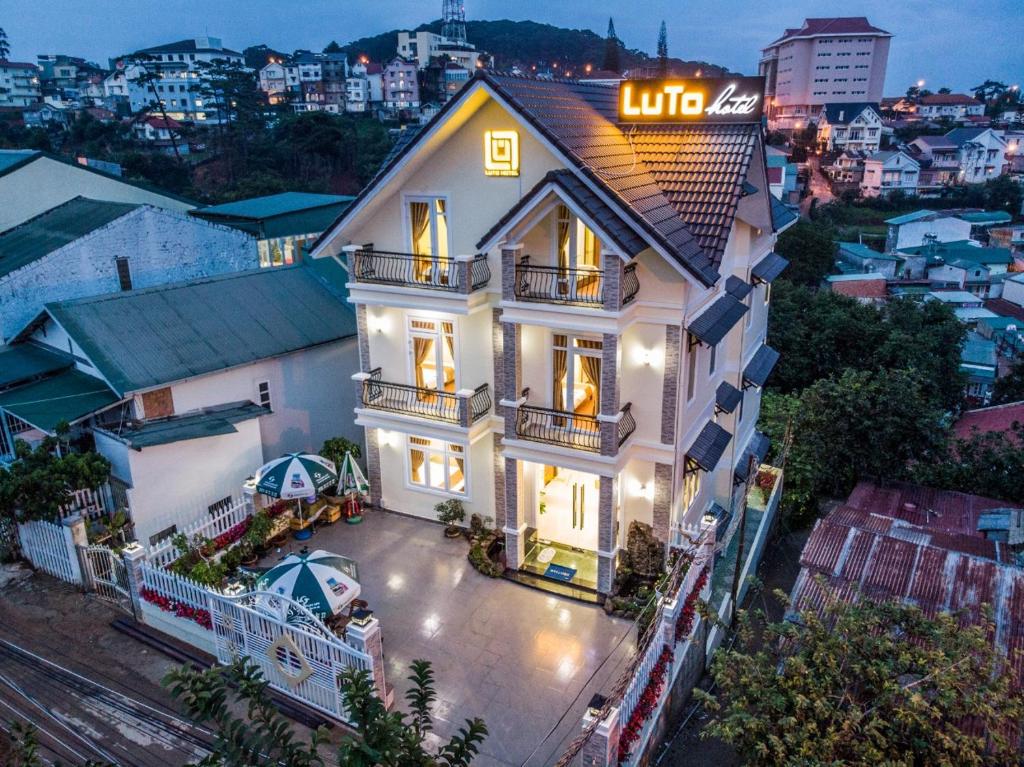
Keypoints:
pixel 373 464
pixel 606 535
pixel 612 298
pixel 134 555
pixel 509 259
pixel 363 328
pixel 498 343
pixel 515 545
pixel 512 334
pixel 499 482
pixel 662 500
pixel 609 409
pixel 602 747
pixel 670 384
pixel 368 639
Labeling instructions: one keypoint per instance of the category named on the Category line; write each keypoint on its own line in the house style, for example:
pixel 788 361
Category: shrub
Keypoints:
pixel 450 512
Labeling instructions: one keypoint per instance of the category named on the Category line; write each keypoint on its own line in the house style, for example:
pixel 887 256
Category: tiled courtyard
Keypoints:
pixel 515 656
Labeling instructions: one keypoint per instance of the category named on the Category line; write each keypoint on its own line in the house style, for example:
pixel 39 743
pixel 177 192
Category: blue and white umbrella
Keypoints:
pixel 296 475
pixel 322 582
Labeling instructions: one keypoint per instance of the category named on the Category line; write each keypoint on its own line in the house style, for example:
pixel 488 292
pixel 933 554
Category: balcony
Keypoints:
pixel 574 430
pixel 454 275
pixel 574 286
pixel 459 408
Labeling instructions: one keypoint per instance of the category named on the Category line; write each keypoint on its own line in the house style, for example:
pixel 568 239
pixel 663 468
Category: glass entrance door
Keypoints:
pixel 567 507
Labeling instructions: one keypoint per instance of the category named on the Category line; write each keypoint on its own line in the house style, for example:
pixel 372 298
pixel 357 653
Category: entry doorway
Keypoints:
pixel 568 507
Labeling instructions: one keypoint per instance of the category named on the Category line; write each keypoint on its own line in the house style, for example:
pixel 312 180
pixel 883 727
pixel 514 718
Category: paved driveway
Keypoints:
pixel 517 657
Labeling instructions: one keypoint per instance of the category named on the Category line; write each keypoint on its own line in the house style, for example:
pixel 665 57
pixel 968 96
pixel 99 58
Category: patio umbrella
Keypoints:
pixel 320 581
pixel 296 475
pixel 351 478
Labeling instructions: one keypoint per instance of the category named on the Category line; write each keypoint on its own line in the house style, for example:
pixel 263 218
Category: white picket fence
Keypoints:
pixel 91 504
pixel 177 587
pixel 50 548
pixel 165 552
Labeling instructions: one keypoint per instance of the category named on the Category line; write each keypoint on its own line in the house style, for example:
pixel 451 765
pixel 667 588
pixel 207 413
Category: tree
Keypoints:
pixel 40 482
pixel 865 683
pixel 334 449
pixel 986 463
pixel 811 250
pixel 662 53
pixel 944 90
pixel 5 46
pixel 147 77
pixel 263 737
pixel 1010 388
pixel 1003 193
pixel 611 62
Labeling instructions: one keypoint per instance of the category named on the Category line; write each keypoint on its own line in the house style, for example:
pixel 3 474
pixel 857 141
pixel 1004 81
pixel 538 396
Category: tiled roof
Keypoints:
pixel 846 112
pixel 936 142
pixel 960 136
pixel 622 235
pixel 737 287
pixel 4 63
pixel 768 268
pixel 943 99
pixel 140 339
pixel 760 365
pixel 727 397
pixel 842 25
pixel 859 285
pixel 1005 308
pixel 712 325
pixel 757 448
pixel 783 216
pixel 707 449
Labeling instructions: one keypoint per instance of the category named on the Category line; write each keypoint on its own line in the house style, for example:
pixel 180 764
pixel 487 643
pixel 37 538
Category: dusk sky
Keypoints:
pixel 940 41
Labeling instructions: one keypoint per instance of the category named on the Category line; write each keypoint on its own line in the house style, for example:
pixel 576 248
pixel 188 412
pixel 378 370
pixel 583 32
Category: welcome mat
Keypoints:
pixel 560 573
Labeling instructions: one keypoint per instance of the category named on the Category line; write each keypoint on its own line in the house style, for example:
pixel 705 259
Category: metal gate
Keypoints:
pixel 104 573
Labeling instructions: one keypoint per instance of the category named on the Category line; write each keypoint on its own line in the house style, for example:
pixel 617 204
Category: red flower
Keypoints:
pixel 684 624
pixel 181 609
pixel 645 706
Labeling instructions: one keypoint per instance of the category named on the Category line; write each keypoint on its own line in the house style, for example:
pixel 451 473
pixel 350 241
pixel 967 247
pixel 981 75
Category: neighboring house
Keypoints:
pixel 853 126
pixel 967 307
pixel 887 172
pixel 32 182
pixel 278 80
pixel 88 247
pixel 47 114
pixel 548 312
pixel 923 226
pixel 159 132
pixel 422 47
pixel 1013 290
pixel 180 72
pixel 866 260
pixel 948 106
pixel 997 260
pixel 962 274
pixel 982 154
pixel 781 175
pixel 357 94
pixel 824 61
pixel 868 287
pixel 401 84
pixel 987 420
pixel 19 84
pixel 283 224
pixel 978 363
pixel 939 157
pixel 196 388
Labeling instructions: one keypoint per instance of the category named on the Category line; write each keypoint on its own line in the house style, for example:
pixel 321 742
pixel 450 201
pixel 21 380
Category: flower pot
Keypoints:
pixel 353 520
pixel 452 532
pixel 250 560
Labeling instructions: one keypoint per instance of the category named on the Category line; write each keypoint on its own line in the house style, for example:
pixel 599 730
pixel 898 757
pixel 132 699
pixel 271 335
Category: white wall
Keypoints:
pixel 947 229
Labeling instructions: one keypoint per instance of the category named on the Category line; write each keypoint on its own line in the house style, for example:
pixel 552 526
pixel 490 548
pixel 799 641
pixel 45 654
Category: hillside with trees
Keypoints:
pixel 528 43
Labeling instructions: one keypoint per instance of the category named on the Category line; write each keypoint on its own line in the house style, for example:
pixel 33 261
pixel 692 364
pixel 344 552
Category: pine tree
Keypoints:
pixel 662 51
pixel 5 47
pixel 611 61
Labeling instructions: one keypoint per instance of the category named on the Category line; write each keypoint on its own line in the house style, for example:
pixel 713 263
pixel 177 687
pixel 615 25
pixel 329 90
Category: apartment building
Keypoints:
pixel 19 84
pixel 423 47
pixel 824 61
pixel 401 84
pixel 179 73
pixel 562 322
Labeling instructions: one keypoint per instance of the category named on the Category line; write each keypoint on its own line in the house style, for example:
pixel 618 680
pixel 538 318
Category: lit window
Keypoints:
pixel 437 465
pixel 691 485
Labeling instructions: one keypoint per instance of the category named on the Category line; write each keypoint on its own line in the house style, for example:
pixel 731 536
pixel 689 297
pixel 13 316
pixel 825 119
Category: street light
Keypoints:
pixel 920 83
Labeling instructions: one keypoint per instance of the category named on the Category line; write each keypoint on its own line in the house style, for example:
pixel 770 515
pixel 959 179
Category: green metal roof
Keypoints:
pixel 987 217
pixel 863 251
pixel 55 228
pixel 279 215
pixel 25 362
pixel 907 218
pixel 142 339
pixel 961 249
pixel 332 275
pixel 67 396
pixel 10 158
pixel 978 351
pixel 208 422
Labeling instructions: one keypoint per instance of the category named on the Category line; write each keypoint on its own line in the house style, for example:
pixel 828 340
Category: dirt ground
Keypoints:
pixel 778 570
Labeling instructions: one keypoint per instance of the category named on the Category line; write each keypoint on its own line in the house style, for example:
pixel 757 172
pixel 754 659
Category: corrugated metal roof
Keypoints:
pixel 67 396
pixel 11 157
pixel 208 422
pixel 55 228
pixel 714 323
pixel 761 365
pixel 146 338
pixel 25 362
pixel 707 449
pixel 279 215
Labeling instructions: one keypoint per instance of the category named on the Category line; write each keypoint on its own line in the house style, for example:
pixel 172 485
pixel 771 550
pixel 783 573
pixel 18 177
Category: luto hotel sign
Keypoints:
pixel 700 100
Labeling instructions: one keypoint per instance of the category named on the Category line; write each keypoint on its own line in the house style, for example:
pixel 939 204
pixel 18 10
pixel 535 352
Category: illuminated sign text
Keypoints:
pixel 707 100
pixel 501 153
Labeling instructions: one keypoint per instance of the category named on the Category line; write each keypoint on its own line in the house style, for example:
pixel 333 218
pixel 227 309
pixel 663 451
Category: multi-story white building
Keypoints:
pixel 562 322
pixel 950 106
pixel 422 47
pixel 855 127
pixel 886 172
pixel 981 155
pixel 179 70
pixel 19 84
pixel 825 61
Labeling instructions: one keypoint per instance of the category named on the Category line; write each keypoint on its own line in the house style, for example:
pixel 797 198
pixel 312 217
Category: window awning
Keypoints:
pixel 756 448
pixel 768 268
pixel 722 519
pixel 760 367
pixel 68 396
pixel 719 318
pixel 727 397
pixel 737 288
pixel 707 449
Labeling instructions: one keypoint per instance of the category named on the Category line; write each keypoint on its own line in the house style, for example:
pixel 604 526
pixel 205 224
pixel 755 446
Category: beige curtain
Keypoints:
pixel 590 367
pixel 449 340
pixel 416 459
pixel 421 348
pixel 563 237
pixel 419 220
pixel 560 359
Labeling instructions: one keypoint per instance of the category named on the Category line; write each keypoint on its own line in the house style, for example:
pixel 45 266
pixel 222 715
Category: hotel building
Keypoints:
pixel 562 317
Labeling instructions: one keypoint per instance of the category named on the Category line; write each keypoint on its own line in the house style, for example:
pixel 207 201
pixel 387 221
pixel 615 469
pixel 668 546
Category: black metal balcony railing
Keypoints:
pixel 575 430
pixel 423 402
pixel 630 283
pixel 415 271
pixel 627 424
pixel 553 284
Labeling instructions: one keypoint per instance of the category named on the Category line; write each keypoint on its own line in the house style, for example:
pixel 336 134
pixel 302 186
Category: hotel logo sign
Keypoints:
pixel 501 153
pixel 700 100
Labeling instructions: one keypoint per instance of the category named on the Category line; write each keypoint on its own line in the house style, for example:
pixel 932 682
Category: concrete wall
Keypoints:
pixel 161 247
pixel 910 235
pixel 46 183
pixel 1013 291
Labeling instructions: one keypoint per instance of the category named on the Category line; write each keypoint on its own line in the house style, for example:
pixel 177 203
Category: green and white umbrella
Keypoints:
pixel 296 475
pixel 322 582
pixel 351 478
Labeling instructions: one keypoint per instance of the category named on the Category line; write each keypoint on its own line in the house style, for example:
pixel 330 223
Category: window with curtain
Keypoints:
pixel 576 374
pixel 691 367
pixel 691 486
pixel 576 245
pixel 432 346
pixel 437 465
pixel 428 229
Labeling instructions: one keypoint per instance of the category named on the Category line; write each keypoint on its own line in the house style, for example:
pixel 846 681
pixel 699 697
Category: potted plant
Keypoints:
pixel 450 513
pixel 247 553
